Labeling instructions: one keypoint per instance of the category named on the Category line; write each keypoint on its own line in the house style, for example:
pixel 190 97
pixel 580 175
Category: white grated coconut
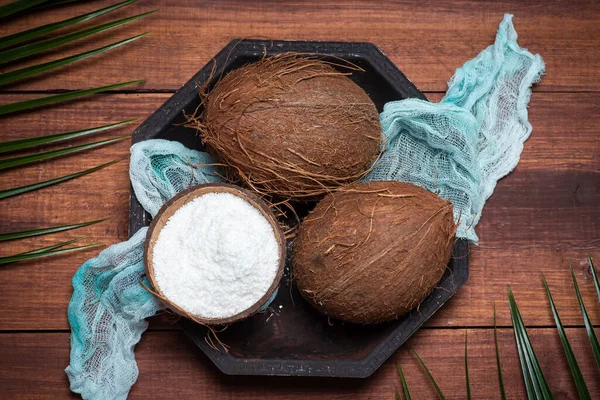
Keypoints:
pixel 216 256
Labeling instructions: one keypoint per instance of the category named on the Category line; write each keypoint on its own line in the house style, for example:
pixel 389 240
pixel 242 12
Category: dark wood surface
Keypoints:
pixel 543 216
pixel 171 367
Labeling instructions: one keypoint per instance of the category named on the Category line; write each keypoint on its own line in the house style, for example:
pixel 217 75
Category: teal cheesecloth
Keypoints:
pixel 461 146
pixel 458 148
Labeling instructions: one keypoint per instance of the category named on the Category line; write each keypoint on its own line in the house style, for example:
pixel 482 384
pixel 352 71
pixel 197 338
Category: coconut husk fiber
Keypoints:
pixel 291 126
pixel 371 252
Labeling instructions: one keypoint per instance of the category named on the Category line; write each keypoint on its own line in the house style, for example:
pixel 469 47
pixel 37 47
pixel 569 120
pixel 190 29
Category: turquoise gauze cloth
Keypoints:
pixel 460 147
pixel 109 307
pixel 457 148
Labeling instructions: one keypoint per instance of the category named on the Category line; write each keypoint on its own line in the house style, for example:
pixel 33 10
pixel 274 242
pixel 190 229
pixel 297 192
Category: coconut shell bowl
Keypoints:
pixel 183 198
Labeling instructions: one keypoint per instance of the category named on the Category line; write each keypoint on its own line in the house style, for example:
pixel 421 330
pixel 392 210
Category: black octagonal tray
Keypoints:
pixel 290 338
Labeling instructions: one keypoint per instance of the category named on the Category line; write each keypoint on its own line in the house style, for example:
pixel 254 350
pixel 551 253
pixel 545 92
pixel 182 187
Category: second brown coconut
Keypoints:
pixel 371 252
pixel 291 126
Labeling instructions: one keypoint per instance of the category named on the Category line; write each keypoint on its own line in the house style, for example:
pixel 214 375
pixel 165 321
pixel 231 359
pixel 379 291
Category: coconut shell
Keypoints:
pixel 171 207
pixel 291 126
pixel 372 251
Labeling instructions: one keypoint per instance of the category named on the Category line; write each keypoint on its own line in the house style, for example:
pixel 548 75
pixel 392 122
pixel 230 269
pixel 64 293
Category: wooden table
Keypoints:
pixel 543 216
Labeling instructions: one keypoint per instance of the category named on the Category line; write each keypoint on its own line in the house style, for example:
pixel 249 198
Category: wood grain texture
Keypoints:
pixel 172 367
pixel 541 217
pixel 427 40
pixel 42 289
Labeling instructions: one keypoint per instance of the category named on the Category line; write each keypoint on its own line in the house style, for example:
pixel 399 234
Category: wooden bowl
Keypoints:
pixel 184 197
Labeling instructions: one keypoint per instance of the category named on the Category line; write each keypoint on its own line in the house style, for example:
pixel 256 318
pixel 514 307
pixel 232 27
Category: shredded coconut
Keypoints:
pixel 216 256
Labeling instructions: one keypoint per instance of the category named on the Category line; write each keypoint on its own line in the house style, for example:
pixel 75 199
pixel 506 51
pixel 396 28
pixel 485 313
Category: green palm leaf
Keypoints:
pixel 53 247
pixel 588 324
pixel 48 44
pixel 13 76
pixel 45 231
pixel 528 376
pixel 17 6
pixel 573 365
pixel 28 188
pixel 435 385
pixel 47 139
pixel 404 384
pixel 18 46
pixel 535 382
pixel 594 276
pixel 24 160
pixel 467 368
pixel 20 37
pixel 500 380
pixel 54 3
pixel 28 104
pixel 37 254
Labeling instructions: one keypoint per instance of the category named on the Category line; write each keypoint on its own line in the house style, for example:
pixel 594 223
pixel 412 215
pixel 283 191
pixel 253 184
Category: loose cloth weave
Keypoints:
pixel 109 307
pixel 460 147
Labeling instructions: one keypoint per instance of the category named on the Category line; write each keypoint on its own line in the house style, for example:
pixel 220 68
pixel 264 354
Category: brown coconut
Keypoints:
pixel 370 252
pixel 291 126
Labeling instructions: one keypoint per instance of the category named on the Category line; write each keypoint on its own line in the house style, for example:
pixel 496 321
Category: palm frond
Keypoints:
pixel 53 247
pixel 21 144
pixel 24 36
pixel 38 254
pixel 404 384
pixel 28 104
pixel 588 324
pixel 54 3
pixel 30 49
pixel 435 385
pixel 535 382
pixel 594 276
pixel 25 44
pixel 573 365
pixel 28 188
pixel 18 5
pixel 7 163
pixel 467 368
pixel 46 231
pixel 500 379
pixel 528 375
pixel 16 75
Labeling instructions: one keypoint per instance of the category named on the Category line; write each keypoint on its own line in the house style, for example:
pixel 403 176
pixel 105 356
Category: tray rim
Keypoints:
pixel 450 283
pixel 337 368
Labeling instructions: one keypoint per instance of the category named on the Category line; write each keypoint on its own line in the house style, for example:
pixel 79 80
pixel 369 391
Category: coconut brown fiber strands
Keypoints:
pixel 291 126
pixel 370 252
